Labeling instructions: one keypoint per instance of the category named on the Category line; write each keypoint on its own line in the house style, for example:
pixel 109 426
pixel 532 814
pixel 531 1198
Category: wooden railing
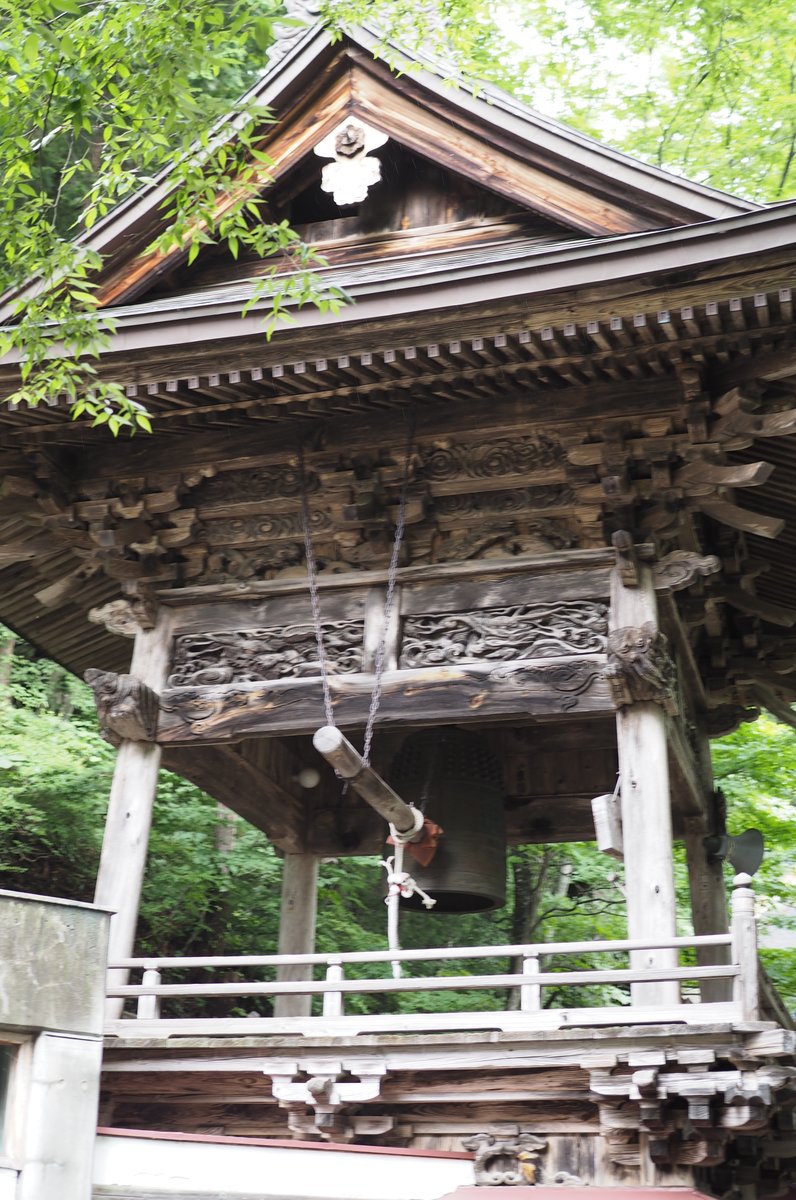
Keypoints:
pixel 531 984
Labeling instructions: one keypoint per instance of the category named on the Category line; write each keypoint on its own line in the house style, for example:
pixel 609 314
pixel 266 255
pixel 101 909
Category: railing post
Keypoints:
pixel 744 948
pixel 333 1001
pixel 149 1006
pixel 530 993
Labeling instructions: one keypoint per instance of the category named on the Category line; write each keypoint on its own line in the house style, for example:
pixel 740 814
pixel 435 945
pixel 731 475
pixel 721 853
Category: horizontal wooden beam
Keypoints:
pixel 224 773
pixel 544 688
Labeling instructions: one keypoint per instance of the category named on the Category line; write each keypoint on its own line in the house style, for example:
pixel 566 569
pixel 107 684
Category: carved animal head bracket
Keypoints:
pixel 640 668
pixel 126 617
pixel 126 708
pixel 506 1161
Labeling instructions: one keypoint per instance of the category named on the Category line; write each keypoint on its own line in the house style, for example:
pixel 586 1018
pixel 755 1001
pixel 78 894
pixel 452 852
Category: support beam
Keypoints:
pixel 708 907
pixel 348 762
pixel 297 928
pixel 127 825
pixel 646 806
pixel 709 903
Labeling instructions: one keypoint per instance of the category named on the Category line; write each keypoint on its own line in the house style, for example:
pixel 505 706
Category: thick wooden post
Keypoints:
pixel 297 927
pixel 644 776
pixel 127 824
pixel 744 947
pixel 708 907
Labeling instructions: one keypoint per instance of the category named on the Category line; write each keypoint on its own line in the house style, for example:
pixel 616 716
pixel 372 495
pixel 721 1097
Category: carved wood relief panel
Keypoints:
pixel 254 655
pixel 522 631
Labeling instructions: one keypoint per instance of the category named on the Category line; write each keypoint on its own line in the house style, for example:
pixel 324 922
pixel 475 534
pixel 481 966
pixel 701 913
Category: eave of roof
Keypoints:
pixel 490 106
pixel 402 286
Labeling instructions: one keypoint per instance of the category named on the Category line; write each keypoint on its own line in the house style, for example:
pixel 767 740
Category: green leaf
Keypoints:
pixel 263 31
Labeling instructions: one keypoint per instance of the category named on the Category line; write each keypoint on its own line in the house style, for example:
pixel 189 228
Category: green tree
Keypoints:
pixel 96 99
pixel 756 769
pixel 702 87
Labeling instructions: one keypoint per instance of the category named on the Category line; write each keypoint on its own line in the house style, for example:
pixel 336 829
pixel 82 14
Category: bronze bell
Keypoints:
pixel 453 778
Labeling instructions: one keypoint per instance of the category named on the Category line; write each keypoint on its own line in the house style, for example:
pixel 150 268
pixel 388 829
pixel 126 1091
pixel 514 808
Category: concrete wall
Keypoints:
pixel 193 1167
pixel 53 957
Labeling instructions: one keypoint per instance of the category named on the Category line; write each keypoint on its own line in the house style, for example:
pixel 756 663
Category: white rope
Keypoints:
pixel 400 839
pixel 400 885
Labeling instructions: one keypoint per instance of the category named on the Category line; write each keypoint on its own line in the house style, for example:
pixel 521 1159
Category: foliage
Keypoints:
pixel 701 87
pixel 96 99
pixel 756 769
pixel 207 893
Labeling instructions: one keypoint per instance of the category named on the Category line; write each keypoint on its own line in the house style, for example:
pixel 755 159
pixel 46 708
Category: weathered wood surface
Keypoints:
pixel 298 913
pixel 319 1027
pixel 709 907
pixel 126 838
pixel 646 803
pixel 545 688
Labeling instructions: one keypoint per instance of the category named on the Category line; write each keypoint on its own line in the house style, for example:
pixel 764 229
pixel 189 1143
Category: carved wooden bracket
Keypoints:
pixel 640 667
pixel 681 568
pixel 125 617
pixel 502 1161
pixel 318 1106
pixel 126 708
pixel 718 1105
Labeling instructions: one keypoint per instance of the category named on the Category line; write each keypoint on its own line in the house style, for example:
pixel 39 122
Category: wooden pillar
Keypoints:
pixel 644 782
pixel 127 824
pixel 708 907
pixel 297 927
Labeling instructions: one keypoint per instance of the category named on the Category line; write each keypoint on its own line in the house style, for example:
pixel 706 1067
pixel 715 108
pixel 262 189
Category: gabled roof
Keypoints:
pixel 485 136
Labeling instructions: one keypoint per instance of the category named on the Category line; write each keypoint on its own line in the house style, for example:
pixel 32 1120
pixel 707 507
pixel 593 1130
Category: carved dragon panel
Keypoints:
pixel 255 655
pixel 505 634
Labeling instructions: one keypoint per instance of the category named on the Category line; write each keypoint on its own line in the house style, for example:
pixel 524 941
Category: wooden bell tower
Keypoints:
pixel 566 378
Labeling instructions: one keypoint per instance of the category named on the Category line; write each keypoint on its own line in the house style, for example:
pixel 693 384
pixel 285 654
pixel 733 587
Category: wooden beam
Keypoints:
pixel 688 794
pixel 227 775
pixel 765 365
pixel 757 606
pixel 741 518
pixel 461 152
pixel 545 688
pixel 709 908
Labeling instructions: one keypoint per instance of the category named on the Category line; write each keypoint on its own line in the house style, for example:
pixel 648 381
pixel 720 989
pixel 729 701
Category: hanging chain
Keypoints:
pixel 312 574
pixel 389 598
pixel 392 575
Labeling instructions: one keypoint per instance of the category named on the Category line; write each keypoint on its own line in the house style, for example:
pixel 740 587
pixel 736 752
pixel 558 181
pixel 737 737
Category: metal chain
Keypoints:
pixel 312 574
pixel 392 574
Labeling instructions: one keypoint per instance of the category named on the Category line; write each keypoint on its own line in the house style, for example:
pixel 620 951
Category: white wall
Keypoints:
pixel 216 1168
